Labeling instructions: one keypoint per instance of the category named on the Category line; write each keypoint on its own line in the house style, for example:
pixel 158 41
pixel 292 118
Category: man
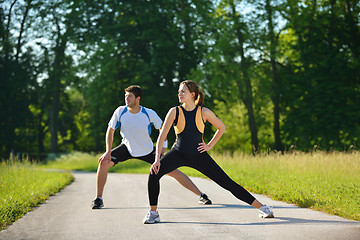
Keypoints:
pixel 135 124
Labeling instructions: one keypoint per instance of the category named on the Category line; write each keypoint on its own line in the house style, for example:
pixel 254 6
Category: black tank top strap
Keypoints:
pixel 176 115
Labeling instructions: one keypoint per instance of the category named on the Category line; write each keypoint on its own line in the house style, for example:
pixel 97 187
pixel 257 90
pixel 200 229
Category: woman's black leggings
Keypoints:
pixel 201 162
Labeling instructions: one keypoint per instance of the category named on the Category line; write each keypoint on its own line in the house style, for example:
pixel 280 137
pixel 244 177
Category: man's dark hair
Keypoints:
pixel 134 89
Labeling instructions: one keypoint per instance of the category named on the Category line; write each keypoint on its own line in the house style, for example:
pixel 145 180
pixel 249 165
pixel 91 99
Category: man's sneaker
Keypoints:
pixel 151 217
pixel 203 199
pixel 266 212
pixel 97 203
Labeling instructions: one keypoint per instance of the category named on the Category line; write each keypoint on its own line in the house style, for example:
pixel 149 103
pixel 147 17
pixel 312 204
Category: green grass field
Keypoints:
pixel 24 186
pixel 328 182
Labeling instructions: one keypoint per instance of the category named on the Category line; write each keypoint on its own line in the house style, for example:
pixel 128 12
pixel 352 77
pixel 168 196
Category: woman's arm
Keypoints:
pixel 209 116
pixel 169 119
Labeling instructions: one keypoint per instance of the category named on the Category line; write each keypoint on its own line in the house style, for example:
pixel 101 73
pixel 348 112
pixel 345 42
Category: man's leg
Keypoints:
pixel 101 176
pixel 185 181
pixel 118 154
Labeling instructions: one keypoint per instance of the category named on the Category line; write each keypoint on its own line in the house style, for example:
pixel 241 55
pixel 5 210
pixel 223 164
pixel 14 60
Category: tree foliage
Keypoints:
pixel 278 73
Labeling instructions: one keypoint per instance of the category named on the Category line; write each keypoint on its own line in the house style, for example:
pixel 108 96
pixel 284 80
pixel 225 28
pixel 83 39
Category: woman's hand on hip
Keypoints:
pixel 203 147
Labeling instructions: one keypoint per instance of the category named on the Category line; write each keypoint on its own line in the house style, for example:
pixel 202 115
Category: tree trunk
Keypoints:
pixel 18 47
pixel 245 86
pixel 55 78
pixel 41 135
pixel 7 32
pixel 9 135
pixel 252 125
pixel 275 78
pixel 54 116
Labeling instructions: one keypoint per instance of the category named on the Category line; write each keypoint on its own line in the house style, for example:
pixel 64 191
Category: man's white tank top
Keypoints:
pixel 134 129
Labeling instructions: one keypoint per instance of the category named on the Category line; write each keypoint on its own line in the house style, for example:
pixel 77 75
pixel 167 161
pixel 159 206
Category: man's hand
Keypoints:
pixel 105 157
pixel 155 167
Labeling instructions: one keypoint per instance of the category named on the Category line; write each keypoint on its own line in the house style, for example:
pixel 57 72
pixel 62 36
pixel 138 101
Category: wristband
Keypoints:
pixel 165 145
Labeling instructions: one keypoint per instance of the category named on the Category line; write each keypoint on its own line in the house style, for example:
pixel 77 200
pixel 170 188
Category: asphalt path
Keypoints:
pixel 68 215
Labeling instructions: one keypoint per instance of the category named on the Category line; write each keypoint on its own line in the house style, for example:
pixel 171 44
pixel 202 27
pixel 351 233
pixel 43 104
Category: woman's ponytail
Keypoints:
pixel 200 99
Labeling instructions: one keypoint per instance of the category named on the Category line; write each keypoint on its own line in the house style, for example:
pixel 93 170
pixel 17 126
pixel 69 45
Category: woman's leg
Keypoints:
pixel 171 161
pixel 206 165
pixel 210 168
pixel 184 180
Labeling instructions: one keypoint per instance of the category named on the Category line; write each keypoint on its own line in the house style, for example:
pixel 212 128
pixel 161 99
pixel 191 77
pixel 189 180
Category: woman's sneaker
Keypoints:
pixel 266 212
pixel 151 217
pixel 97 203
pixel 203 199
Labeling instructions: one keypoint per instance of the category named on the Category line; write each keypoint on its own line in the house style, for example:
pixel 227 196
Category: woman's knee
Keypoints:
pixel 153 178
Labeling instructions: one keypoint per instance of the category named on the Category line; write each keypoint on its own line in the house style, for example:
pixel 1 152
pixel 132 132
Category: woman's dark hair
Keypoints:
pixel 194 88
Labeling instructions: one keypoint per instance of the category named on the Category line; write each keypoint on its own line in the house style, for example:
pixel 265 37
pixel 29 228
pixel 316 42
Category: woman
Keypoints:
pixel 190 150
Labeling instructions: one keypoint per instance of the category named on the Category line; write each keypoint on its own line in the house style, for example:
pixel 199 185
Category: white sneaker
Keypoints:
pixel 151 217
pixel 266 212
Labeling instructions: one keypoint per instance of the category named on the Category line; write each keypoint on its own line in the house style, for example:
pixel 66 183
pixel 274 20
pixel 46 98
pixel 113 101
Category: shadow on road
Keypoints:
pixel 273 221
pixel 212 206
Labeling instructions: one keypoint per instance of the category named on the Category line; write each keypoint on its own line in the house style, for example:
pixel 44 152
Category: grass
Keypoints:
pixel 324 181
pixel 24 186
pixel 327 182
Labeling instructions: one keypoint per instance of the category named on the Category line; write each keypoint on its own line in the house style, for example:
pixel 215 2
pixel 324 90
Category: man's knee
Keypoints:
pixel 175 174
pixel 105 165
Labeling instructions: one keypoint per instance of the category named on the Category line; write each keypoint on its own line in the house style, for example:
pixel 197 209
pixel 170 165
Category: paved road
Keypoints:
pixel 68 215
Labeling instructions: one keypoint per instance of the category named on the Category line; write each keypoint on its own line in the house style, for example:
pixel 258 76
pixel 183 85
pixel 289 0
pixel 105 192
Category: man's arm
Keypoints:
pixel 109 141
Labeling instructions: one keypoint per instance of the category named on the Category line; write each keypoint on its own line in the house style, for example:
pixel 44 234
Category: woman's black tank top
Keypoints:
pixel 189 129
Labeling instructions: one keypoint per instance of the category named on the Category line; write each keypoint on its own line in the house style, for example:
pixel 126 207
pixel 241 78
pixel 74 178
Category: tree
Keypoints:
pixel 60 18
pixel 227 67
pixel 274 74
pixel 17 79
pixel 151 43
pixel 322 95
